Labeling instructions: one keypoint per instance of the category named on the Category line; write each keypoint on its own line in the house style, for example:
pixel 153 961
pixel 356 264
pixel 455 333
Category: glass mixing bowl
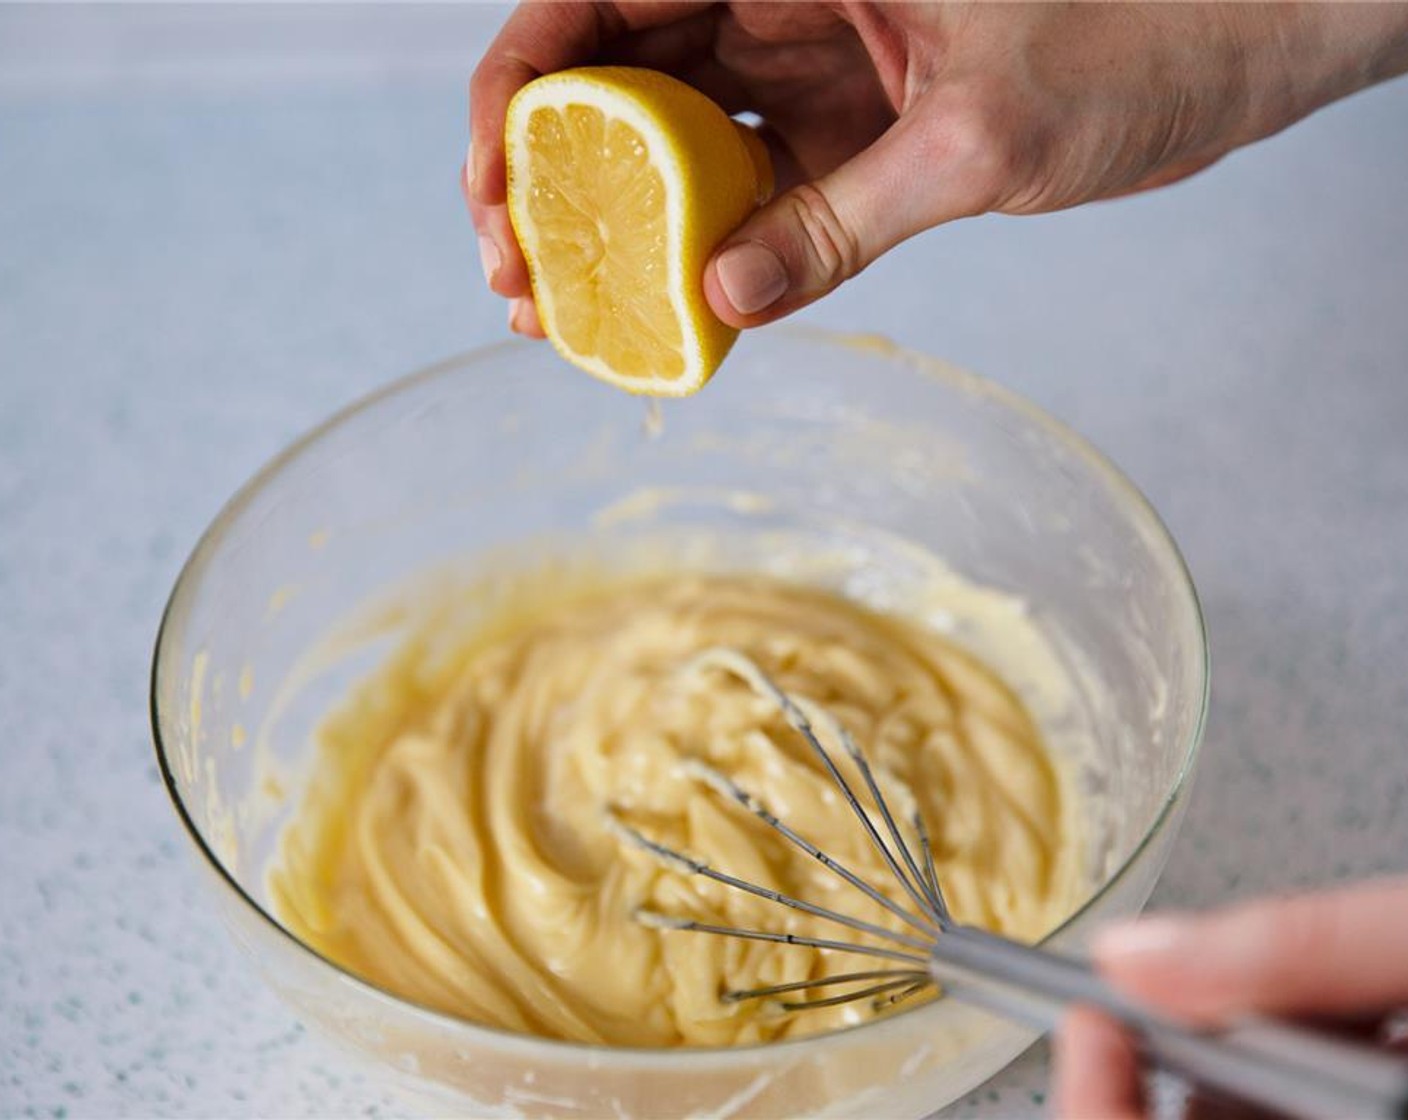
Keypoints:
pixel 836 437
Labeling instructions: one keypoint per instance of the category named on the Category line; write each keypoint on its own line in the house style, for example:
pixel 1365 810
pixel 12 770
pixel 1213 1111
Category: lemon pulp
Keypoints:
pixel 621 184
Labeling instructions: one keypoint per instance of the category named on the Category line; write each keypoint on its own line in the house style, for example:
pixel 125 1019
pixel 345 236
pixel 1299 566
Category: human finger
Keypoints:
pixel 942 161
pixel 537 39
pixel 1096 1072
pixel 523 318
pixel 1333 953
pixel 505 270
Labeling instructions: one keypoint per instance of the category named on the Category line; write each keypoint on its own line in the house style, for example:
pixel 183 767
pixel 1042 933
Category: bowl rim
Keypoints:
pixel 957 377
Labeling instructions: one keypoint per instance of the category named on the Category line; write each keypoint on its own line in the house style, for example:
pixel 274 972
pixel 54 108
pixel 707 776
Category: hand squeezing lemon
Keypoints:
pixel 621 182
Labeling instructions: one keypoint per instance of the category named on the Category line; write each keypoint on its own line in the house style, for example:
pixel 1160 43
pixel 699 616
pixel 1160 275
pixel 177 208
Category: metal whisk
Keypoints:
pixel 1288 1068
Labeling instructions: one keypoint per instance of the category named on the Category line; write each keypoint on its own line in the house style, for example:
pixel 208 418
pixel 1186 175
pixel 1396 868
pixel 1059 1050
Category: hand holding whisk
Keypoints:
pixel 1276 1065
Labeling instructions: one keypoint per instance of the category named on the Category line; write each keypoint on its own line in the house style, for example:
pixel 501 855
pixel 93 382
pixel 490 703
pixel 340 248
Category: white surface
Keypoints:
pixel 216 227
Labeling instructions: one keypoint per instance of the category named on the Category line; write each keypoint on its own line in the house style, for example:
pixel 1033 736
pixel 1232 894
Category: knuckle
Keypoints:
pixel 478 83
pixel 831 246
pixel 984 138
pixel 489 81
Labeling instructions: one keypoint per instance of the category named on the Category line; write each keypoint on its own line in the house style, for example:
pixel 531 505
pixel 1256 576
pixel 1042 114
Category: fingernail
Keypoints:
pixel 513 309
pixel 469 167
pixel 1145 937
pixel 489 258
pixel 752 276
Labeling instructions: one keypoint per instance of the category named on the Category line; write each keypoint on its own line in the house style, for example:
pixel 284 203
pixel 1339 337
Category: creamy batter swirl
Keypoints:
pixel 454 845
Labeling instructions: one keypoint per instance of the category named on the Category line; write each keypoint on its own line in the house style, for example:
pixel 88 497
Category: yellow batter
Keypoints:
pixel 454 846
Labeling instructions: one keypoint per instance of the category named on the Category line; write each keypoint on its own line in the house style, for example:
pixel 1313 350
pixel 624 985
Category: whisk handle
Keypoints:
pixel 1298 1072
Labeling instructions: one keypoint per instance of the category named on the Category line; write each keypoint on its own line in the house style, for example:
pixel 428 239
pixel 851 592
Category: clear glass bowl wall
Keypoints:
pixel 506 445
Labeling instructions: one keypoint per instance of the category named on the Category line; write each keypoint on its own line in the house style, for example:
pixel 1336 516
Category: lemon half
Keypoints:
pixel 621 182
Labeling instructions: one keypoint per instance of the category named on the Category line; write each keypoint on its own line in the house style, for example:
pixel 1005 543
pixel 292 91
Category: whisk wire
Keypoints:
pixel 846 997
pixel 848 743
pixel 729 788
pixel 930 874
pixel 741 994
pixel 798 719
pixel 668 921
pixel 691 866
pixel 890 1001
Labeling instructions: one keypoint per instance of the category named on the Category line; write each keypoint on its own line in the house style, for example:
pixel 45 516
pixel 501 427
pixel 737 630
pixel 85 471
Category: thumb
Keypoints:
pixel 934 164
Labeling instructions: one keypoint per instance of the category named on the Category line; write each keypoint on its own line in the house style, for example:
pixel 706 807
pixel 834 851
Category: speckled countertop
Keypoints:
pixel 216 227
